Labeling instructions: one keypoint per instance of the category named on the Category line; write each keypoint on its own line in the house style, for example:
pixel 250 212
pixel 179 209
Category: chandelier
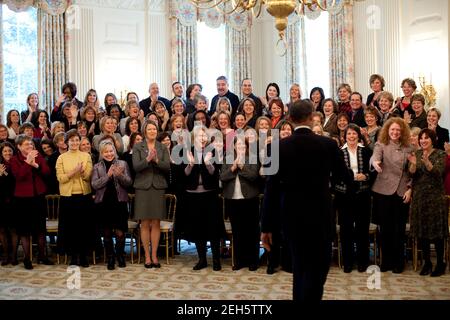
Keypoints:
pixel 279 9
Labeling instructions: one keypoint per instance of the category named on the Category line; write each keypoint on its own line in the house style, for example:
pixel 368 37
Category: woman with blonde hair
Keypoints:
pixel 392 190
pixel 110 179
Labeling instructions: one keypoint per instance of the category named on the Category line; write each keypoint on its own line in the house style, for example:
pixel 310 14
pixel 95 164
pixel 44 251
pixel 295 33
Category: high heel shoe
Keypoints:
pixel 427 268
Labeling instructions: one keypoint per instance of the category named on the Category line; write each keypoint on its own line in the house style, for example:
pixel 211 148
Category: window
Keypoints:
pixel 20 69
pixel 211 57
pixel 317 55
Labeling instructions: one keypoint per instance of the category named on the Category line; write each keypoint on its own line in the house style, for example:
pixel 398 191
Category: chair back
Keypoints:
pixel 52 206
pixel 171 204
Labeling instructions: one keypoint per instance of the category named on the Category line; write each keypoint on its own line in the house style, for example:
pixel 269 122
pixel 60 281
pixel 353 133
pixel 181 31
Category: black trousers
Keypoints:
pixel 354 220
pixel 392 215
pixel 311 263
pixel 244 218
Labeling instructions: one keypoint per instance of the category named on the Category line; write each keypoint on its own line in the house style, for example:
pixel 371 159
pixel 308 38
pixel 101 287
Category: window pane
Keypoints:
pixel 19 57
pixel 317 53
pixel 211 57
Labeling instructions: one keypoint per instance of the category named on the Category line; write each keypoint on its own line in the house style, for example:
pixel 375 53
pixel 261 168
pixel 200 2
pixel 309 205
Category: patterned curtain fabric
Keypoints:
pixel 53 56
pixel 53 7
pixel 184 42
pixel 341 48
pixel 238 56
pixel 1 65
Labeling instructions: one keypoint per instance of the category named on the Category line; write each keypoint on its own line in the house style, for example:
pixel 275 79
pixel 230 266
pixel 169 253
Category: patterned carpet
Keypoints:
pixel 178 281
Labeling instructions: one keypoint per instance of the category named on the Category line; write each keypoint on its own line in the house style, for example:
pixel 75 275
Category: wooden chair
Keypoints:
pixel 133 228
pixel 167 228
pixel 167 225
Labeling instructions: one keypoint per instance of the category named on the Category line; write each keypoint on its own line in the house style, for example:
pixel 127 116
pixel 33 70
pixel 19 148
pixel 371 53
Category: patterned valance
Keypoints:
pixel 53 7
pixel 188 15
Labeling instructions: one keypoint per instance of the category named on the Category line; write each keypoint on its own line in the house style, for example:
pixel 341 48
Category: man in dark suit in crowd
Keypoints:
pixel 247 92
pixel 299 194
pixel 146 104
pixel 223 91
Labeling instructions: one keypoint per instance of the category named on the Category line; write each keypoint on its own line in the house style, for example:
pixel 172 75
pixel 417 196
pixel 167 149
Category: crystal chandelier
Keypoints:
pixel 279 9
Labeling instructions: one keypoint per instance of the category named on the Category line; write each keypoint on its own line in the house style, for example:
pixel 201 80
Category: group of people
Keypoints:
pixel 93 156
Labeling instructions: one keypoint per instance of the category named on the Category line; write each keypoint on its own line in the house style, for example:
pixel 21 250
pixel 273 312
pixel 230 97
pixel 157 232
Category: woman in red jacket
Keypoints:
pixel 30 170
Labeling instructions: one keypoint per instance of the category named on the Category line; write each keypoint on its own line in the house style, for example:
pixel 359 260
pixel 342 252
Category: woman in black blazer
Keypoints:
pixel 203 219
pixel 433 117
pixel 353 201
pixel 241 193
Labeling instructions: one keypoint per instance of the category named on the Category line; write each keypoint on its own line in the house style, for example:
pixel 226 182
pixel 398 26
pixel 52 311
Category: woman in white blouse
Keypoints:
pixel 241 193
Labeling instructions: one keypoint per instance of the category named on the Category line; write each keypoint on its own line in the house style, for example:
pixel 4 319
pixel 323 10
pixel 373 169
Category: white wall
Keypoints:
pixel 411 40
pixel 425 39
pixel 120 46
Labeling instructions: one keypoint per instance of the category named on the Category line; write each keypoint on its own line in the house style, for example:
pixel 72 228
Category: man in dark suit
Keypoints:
pixel 146 104
pixel 247 92
pixel 223 91
pixel 299 194
pixel 357 115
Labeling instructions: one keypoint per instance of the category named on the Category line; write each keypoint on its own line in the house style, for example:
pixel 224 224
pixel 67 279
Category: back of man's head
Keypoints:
pixel 301 111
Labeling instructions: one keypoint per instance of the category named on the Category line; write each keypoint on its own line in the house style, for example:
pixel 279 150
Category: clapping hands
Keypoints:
pixel 152 156
pixel 31 158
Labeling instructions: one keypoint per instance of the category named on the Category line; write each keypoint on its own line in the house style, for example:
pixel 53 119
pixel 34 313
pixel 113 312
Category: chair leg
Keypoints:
pixel 375 251
pixel 139 247
pixel 339 251
pixel 167 247
pixel 93 257
pixel 172 243
pixel 232 251
pixel 132 248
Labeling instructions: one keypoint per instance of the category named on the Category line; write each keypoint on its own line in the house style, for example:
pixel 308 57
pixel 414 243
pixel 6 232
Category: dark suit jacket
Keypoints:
pixel 358 118
pixel 442 137
pixel 149 173
pixel 248 177
pixel 145 104
pixel 300 191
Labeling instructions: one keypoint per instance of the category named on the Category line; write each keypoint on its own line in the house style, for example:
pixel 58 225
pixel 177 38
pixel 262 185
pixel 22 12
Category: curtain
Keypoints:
pixel 238 56
pixel 184 53
pixel 1 65
pixel 341 48
pixel 53 57
pixel 184 42
pixel 53 7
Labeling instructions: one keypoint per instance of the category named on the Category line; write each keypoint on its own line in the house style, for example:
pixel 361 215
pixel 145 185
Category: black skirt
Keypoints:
pixel 76 228
pixel 203 217
pixel 112 215
pixel 29 215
